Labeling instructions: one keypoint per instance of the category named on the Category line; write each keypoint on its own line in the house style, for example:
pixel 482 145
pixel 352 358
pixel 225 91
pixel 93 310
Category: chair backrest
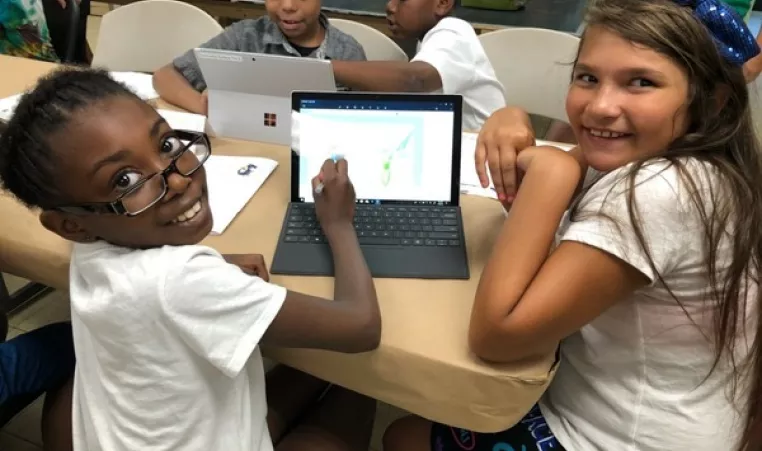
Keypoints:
pixel 377 46
pixel 534 65
pixel 145 35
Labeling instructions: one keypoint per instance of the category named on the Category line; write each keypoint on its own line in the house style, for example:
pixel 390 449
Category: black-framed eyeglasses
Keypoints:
pixel 191 154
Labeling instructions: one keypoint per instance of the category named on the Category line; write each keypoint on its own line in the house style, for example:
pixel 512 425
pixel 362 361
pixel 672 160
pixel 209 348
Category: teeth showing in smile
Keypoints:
pixel 605 134
pixel 190 214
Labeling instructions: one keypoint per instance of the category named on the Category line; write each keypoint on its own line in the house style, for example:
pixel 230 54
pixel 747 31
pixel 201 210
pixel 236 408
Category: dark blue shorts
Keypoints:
pixel 36 362
pixel 530 434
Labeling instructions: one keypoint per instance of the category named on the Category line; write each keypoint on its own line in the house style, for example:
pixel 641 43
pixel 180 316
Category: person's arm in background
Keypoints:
pixel 753 67
pixel 177 90
pixel 387 76
pixel 181 82
pixel 444 61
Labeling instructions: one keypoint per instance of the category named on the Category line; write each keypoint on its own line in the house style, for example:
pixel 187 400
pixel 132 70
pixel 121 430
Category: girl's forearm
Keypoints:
pixel 528 233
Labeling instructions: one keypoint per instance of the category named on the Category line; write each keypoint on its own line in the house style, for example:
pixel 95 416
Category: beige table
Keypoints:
pixel 423 364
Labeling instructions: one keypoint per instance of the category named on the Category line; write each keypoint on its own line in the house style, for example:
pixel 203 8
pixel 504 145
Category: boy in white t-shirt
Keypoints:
pixel 167 331
pixel 450 59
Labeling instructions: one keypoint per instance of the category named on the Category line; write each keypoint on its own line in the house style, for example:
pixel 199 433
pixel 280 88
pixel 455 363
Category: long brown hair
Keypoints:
pixel 721 134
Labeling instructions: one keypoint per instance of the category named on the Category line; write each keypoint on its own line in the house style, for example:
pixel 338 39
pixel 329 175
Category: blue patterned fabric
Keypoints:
pixel 733 38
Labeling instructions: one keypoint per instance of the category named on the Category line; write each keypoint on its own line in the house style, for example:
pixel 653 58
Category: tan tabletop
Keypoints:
pixel 423 364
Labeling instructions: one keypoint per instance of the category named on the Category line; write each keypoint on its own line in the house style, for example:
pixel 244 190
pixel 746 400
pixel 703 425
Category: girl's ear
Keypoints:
pixel 65 225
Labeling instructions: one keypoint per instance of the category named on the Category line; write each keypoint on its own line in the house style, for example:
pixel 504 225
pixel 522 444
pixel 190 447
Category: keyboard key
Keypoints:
pixel 304 239
pixel 450 222
pixel 291 239
pixel 449 215
pixel 443 236
pixel 453 242
pixel 317 239
pixel 407 242
pixel 441 242
pixel 430 242
pixel 379 241
pixel 418 242
pixel 296 232
pixel 445 229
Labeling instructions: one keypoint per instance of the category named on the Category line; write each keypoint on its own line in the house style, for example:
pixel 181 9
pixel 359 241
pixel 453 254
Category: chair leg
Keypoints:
pixel 26 294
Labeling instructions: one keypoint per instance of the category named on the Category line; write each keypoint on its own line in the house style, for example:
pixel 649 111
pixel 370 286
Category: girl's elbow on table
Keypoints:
pixel 504 339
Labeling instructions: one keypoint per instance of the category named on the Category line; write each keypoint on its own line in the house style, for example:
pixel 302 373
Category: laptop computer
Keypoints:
pixel 250 93
pixel 403 153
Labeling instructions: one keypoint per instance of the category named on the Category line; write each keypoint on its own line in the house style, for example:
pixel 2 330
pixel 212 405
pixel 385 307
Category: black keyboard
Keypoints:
pixel 382 225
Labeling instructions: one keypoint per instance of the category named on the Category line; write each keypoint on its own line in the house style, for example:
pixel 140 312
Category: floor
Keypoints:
pixel 23 432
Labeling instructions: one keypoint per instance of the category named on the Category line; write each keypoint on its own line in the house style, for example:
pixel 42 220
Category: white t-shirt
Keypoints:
pixel 167 350
pixel 454 50
pixel 633 378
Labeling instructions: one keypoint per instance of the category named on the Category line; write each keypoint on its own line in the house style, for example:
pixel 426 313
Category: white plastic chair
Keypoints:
pixel 534 65
pixel 146 35
pixel 378 46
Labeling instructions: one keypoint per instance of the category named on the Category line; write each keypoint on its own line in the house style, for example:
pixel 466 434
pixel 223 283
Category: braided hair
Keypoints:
pixel 27 162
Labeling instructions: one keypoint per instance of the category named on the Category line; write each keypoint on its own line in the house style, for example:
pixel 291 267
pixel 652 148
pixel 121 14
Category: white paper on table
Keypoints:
pixel 230 191
pixel 140 84
pixel 179 120
pixel 8 106
pixel 469 180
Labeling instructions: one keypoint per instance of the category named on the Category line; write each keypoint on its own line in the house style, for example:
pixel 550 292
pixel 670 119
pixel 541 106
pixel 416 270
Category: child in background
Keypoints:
pixel 167 331
pixel 290 28
pixel 652 280
pixel 450 59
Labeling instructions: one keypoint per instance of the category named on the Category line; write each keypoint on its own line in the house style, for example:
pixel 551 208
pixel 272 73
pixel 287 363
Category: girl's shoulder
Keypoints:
pixel 662 181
